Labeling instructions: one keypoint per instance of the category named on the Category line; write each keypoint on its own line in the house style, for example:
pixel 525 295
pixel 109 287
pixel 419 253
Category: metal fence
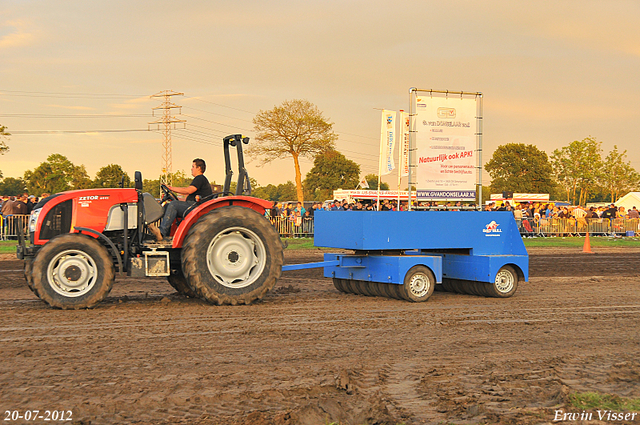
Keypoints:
pixel 9 226
pixel 578 226
pixel 287 228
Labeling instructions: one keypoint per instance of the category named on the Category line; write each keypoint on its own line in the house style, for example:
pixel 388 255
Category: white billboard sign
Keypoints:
pixel 445 140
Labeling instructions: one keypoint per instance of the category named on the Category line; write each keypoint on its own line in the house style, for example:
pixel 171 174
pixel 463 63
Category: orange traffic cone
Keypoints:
pixel 587 245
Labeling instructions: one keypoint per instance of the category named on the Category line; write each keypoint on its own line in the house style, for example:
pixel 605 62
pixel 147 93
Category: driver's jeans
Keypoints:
pixel 172 210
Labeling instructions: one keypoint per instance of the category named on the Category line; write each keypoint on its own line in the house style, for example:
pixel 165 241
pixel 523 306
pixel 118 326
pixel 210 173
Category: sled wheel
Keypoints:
pixel 458 286
pixel 350 286
pixel 505 283
pixel 481 288
pixel 179 283
pixel 363 287
pixel 419 283
pixel 466 287
pixel 338 283
pixel 385 289
pixel 475 288
pixel 28 273
pixel 394 291
pixel 447 285
pixel 232 255
pixel 374 289
pixel 73 271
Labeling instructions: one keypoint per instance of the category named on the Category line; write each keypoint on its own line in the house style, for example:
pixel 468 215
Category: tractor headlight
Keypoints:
pixel 33 219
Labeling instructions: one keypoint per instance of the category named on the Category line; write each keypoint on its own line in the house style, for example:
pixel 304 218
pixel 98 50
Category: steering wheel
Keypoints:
pixel 168 194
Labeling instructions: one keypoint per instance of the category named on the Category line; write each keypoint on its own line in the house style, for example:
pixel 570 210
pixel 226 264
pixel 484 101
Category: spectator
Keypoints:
pixel 633 213
pixel 20 206
pixel 274 212
pixel 610 213
pixel 622 213
pixel 31 202
pixel 7 206
pixel 505 207
pixel 580 216
pixel 592 213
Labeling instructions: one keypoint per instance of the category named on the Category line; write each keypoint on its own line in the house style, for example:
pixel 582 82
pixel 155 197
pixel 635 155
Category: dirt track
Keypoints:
pixel 308 354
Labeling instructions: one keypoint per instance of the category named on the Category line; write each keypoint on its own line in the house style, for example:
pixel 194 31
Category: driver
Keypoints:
pixel 199 188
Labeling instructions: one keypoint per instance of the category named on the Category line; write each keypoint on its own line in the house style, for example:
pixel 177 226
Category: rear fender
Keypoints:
pixel 256 204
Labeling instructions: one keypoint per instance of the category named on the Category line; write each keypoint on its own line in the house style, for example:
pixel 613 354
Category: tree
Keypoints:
pixel 253 182
pixel 297 129
pixel 372 181
pixel 110 176
pixel 618 176
pixel 331 170
pixel 12 187
pixel 516 167
pixel 577 168
pixel 282 192
pixel 56 174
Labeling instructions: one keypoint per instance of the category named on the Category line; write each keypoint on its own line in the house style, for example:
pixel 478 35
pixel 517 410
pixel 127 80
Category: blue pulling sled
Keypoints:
pixel 405 254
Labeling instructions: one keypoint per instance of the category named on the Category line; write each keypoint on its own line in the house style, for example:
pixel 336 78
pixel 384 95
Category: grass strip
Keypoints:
pixel 587 401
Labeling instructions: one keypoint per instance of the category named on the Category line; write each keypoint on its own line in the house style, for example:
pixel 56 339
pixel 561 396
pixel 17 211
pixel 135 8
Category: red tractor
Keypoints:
pixel 224 250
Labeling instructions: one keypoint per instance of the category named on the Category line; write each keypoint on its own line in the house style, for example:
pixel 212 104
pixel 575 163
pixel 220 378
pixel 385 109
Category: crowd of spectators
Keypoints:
pixel 11 206
pixel 23 204
pixel 541 211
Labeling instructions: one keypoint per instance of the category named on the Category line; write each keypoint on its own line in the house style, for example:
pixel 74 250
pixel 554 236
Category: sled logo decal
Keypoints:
pixel 491 229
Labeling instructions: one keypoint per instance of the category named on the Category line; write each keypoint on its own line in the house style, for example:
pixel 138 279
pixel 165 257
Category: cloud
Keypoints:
pixel 16 34
pixel 72 107
pixel 131 103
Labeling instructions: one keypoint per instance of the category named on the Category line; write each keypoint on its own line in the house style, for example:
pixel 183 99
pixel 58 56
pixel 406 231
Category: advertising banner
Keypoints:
pixel 445 147
pixel 387 142
pixel 403 152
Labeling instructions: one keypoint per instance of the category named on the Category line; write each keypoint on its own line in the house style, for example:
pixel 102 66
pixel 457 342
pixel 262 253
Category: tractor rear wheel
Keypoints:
pixel 179 283
pixel 504 285
pixel 232 255
pixel 73 271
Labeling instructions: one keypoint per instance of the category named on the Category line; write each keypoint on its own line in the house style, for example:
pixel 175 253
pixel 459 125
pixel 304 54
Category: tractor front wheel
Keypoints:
pixel 179 283
pixel 28 273
pixel 73 271
pixel 232 255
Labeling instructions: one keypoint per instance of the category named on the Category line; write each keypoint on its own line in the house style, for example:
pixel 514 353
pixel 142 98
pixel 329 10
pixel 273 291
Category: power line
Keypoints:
pixel 74 115
pixel 218 104
pixel 67 95
pixel 215 122
pixel 28 132
pixel 215 113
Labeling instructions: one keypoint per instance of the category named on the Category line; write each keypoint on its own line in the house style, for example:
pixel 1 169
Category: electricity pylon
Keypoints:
pixel 166 122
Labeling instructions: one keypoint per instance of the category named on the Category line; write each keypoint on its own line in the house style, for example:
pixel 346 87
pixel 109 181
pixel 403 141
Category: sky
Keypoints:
pixel 76 76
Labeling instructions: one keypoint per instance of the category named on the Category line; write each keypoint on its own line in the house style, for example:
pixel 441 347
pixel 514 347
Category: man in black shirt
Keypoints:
pixel 199 188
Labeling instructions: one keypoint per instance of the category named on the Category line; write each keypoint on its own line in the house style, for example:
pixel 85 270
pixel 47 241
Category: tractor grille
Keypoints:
pixel 57 221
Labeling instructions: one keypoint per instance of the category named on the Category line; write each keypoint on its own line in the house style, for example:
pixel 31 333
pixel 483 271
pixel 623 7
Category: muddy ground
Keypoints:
pixel 308 354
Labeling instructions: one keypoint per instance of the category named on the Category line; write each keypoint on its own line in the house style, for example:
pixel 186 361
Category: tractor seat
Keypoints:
pixel 152 209
pixel 203 200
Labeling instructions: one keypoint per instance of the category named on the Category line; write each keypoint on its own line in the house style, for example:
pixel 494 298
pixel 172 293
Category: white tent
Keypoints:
pixel 630 200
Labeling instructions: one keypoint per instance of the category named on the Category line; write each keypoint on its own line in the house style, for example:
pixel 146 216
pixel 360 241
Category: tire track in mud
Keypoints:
pixel 320 356
pixel 288 321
